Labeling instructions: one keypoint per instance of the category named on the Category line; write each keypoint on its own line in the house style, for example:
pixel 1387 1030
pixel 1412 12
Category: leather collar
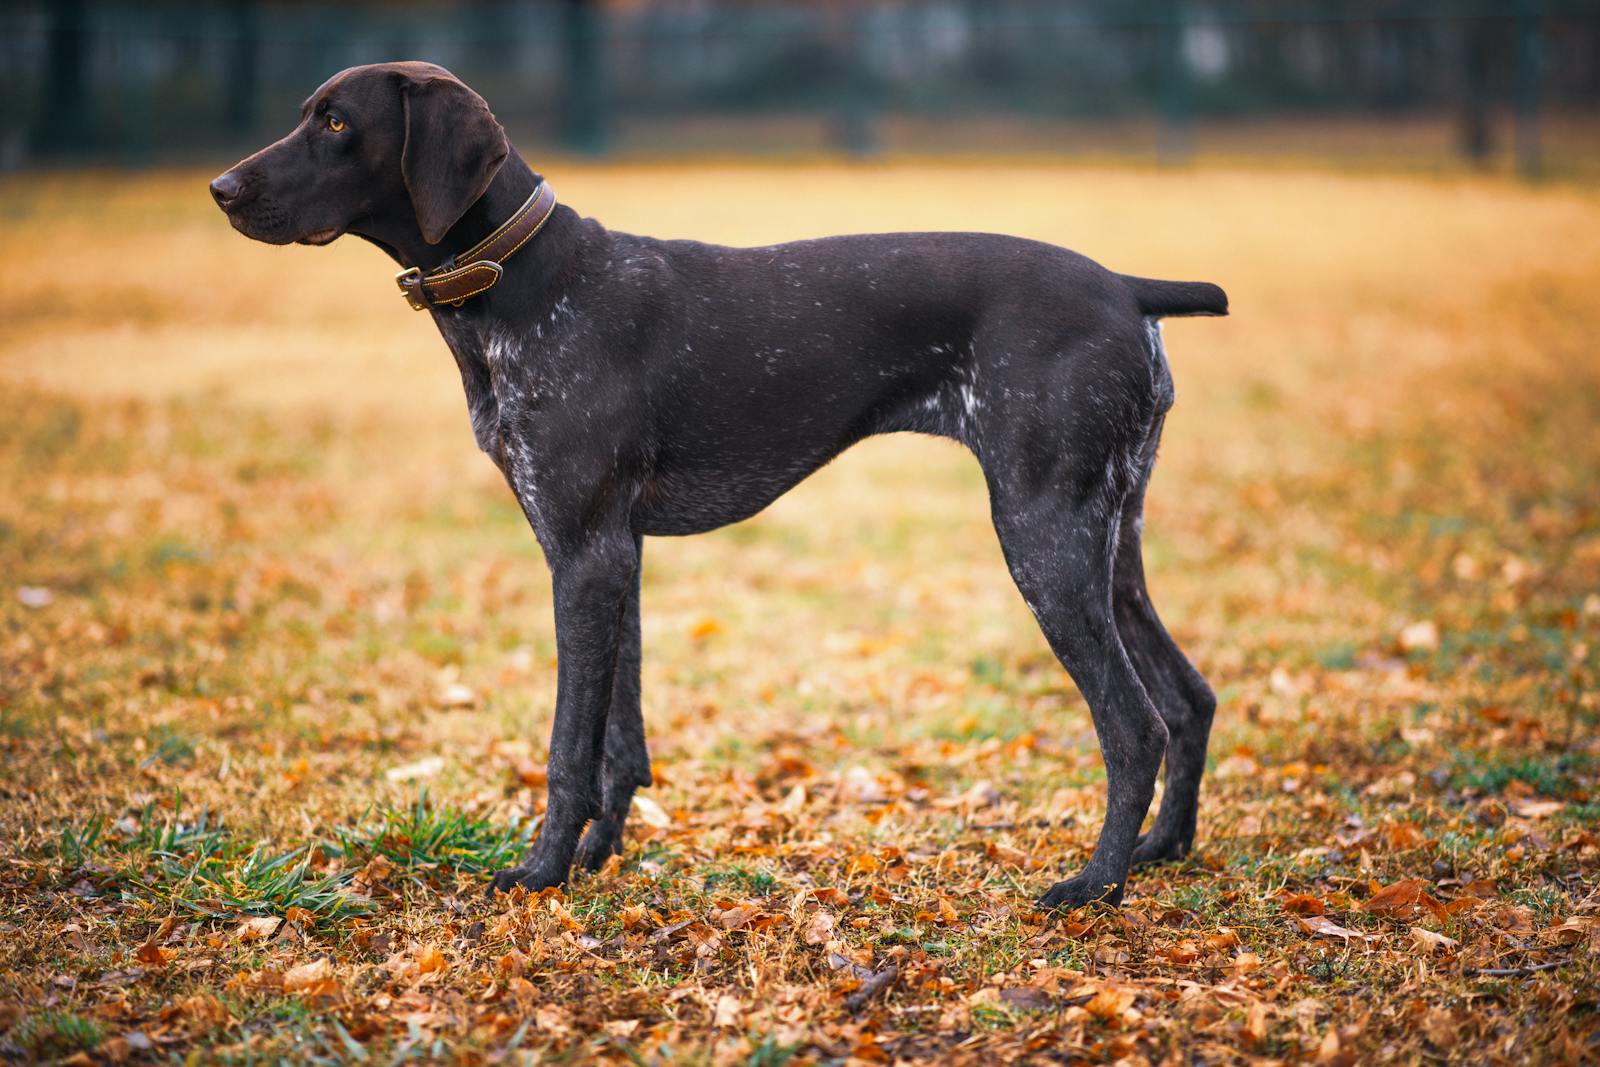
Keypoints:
pixel 480 266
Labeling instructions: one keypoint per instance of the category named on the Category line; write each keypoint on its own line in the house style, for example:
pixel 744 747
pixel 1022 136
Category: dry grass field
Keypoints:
pixel 276 662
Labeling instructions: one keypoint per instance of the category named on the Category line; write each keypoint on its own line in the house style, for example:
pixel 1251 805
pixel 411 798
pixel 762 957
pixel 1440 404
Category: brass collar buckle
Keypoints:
pixel 410 283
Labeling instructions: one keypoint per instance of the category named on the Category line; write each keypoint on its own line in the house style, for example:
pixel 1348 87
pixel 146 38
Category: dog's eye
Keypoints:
pixel 335 124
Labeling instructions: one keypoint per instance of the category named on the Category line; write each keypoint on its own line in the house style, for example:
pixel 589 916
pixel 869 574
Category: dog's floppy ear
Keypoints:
pixel 454 148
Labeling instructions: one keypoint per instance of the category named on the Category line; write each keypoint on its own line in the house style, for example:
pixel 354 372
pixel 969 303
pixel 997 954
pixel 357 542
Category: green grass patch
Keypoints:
pixel 53 1034
pixel 740 879
pixel 1551 776
pixel 226 881
pixel 424 836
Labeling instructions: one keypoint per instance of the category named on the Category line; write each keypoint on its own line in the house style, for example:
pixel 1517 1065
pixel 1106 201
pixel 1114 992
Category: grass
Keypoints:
pixel 199 868
pixel 240 822
pixel 52 1034
pixel 423 836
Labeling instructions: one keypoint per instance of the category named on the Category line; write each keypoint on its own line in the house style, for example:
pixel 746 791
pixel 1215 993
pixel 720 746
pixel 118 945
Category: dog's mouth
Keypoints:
pixel 321 237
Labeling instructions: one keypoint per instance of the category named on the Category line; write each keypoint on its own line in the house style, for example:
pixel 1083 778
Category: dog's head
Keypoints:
pixel 377 146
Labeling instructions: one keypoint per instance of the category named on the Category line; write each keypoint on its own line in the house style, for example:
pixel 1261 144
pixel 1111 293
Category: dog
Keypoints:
pixel 630 387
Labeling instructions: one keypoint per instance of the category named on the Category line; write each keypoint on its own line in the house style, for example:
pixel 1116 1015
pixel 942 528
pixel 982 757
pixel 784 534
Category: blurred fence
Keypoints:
pixel 1404 80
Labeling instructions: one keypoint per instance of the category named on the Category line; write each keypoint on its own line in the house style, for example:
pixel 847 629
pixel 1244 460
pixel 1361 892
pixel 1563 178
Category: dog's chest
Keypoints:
pixel 503 386
pixel 469 345
pixel 510 394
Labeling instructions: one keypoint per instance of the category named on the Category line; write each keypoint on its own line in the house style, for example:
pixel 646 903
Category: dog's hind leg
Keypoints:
pixel 1185 702
pixel 1060 542
pixel 627 759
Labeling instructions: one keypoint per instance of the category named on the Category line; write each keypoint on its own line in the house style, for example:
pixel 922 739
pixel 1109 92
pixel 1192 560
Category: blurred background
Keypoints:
pixel 1420 83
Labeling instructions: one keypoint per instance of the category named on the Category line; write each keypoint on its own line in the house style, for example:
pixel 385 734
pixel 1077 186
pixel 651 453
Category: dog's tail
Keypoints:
pixel 1177 298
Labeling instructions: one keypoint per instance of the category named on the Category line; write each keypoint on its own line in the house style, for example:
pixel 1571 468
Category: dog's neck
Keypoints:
pixel 508 191
pixel 537 275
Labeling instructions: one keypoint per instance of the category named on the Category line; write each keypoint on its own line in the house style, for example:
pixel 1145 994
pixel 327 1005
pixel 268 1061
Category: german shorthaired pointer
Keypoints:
pixel 628 386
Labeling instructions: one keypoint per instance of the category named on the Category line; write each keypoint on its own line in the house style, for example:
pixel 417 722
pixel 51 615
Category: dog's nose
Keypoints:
pixel 225 189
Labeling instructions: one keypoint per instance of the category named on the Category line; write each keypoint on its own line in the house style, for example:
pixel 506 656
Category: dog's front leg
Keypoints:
pixel 591 585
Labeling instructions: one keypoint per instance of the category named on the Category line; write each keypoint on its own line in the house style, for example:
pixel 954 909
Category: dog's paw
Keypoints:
pixel 601 841
pixel 529 876
pixel 1081 891
pixel 1151 849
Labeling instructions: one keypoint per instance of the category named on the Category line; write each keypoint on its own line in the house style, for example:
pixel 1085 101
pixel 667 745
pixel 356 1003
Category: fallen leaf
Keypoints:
pixel 819 930
pixel 455 696
pixel 1429 941
pixel 1402 898
pixel 1255 1022
pixel 1109 1003
pixel 1182 952
pixel 422 768
pixel 205 1010
pixel 308 977
pixel 861 786
pixel 651 813
pixel 1027 998
pixel 297 977
pixel 1224 938
pixel 794 801
pixel 1237 766
pixel 1419 636
pixel 831 895
pixel 728 1011
pixel 1536 809
pixel 552 1020
pixel 1303 904
pixel 153 954
pixel 257 928
pixel 1576 929
pixel 1321 926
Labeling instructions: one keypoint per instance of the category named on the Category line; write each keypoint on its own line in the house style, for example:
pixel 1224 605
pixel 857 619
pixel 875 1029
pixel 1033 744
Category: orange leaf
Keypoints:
pixel 1183 952
pixel 705 628
pixel 1303 904
pixel 308 977
pixel 863 864
pixel 205 1009
pixel 153 954
pixel 1401 899
pixel 1223 938
pixel 1110 1003
pixel 832 896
